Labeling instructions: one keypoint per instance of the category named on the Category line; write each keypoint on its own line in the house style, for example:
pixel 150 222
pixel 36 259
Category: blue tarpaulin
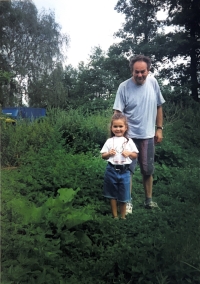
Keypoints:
pixel 24 112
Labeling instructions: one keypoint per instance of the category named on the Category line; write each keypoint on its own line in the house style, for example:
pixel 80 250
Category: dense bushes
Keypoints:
pixel 56 226
pixel 81 131
pixel 72 130
pixel 25 137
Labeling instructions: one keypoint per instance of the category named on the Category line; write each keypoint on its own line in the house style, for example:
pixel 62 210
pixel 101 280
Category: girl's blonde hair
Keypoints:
pixel 117 116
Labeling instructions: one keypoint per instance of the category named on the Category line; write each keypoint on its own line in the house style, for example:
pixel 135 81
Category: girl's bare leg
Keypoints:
pixel 113 203
pixel 131 182
pixel 123 210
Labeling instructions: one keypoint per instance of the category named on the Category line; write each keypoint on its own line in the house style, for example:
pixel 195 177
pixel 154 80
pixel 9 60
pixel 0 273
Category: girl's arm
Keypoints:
pixel 132 152
pixel 131 155
pixel 107 155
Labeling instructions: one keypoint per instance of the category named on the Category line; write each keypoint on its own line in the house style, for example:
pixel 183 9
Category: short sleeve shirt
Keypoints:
pixel 139 104
pixel 119 144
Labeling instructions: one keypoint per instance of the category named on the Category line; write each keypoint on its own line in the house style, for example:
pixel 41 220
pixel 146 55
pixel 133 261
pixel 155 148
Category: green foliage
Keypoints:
pixel 56 226
pixel 43 232
pixel 61 170
pixel 30 45
pixel 171 41
pixel 5 77
pixel 77 130
pixel 180 146
pixel 92 86
pixel 53 90
pixel 188 128
pixel 18 140
pixel 81 131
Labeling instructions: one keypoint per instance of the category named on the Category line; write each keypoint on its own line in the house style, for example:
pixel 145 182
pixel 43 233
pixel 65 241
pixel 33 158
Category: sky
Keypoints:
pixel 88 23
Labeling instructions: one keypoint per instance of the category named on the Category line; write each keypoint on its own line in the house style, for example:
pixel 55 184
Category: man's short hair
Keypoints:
pixel 140 57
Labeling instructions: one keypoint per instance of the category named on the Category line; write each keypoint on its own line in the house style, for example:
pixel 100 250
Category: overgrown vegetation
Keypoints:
pixel 56 226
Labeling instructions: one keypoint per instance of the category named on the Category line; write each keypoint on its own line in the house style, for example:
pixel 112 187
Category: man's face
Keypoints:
pixel 140 72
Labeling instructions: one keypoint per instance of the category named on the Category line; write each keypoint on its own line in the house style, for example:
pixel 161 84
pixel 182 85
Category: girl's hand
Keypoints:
pixel 126 153
pixel 112 152
pixel 131 155
pixel 109 154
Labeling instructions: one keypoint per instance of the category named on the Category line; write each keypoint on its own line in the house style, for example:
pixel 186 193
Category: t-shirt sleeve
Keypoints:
pixel 119 103
pixel 160 99
pixel 133 147
pixel 105 148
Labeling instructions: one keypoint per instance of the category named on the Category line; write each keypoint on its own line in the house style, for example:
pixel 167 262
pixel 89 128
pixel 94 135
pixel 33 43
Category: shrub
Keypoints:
pixel 18 140
pixel 54 234
pixel 38 236
pixel 82 132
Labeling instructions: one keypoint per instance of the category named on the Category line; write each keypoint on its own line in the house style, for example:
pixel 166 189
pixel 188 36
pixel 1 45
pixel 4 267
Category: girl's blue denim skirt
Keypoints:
pixel 117 184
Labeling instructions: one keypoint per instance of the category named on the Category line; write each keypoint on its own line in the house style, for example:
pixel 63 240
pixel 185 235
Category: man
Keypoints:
pixel 140 99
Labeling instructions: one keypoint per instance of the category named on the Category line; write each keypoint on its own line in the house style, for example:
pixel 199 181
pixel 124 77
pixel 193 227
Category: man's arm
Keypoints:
pixel 159 123
pixel 159 117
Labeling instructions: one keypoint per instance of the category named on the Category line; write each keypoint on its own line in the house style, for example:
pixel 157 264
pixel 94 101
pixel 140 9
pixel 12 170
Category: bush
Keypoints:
pixel 39 236
pixel 68 129
pixel 82 132
pixel 18 140
pixel 56 226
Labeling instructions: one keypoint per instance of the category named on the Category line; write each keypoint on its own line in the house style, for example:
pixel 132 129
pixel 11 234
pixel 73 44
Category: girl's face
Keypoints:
pixel 118 127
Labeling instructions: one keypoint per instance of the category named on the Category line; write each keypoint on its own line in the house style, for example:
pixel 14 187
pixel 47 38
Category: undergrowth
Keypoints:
pixel 56 226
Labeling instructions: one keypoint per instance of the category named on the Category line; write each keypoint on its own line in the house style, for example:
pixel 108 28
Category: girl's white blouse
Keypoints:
pixel 119 144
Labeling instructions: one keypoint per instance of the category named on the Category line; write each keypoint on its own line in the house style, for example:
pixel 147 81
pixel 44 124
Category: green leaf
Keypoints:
pixel 67 194
pixel 83 238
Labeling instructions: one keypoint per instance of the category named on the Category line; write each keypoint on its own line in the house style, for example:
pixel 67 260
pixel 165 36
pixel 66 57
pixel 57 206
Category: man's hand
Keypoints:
pixel 158 136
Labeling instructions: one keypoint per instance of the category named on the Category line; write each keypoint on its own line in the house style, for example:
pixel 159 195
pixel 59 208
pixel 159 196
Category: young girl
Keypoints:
pixel 119 152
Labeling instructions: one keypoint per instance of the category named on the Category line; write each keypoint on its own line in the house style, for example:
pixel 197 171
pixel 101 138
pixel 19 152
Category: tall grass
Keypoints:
pixel 52 246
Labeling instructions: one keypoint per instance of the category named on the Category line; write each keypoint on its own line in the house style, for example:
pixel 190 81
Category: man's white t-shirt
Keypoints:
pixel 139 104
